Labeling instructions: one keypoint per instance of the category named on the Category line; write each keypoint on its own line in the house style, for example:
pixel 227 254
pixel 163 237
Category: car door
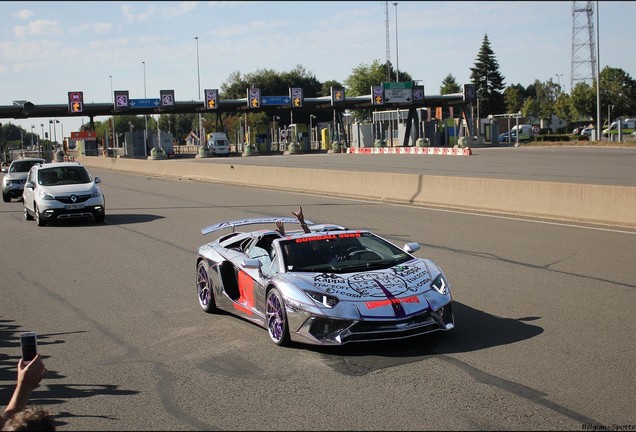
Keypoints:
pixel 28 194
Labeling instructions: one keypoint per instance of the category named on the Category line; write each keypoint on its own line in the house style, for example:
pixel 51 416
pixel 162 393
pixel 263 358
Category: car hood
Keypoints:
pixel 17 176
pixel 77 189
pixel 404 288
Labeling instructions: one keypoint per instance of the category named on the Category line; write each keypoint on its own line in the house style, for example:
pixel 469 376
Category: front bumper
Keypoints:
pixel 328 331
pixel 64 213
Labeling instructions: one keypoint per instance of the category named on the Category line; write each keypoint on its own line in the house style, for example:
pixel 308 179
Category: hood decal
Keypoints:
pixel 396 282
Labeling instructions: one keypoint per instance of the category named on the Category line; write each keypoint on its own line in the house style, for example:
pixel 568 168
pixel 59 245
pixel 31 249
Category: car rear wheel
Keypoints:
pixel 276 316
pixel 6 197
pixel 27 215
pixel 38 218
pixel 204 288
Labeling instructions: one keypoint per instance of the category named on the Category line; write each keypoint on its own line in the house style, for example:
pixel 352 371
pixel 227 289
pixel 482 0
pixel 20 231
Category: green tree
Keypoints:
pixel 489 83
pixel 619 90
pixel 563 107
pixel 514 97
pixel 449 85
pixel 583 102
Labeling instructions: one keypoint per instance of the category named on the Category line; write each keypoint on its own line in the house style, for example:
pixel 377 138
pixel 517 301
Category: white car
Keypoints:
pixel 13 181
pixel 587 132
pixel 62 191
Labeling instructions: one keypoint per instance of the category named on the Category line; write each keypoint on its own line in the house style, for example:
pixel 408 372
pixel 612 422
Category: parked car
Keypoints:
pixel 503 137
pixel 62 191
pixel 330 286
pixel 15 177
pixel 587 131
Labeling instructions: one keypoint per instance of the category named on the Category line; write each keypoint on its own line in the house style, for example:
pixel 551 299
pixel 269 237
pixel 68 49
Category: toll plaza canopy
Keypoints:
pixel 27 109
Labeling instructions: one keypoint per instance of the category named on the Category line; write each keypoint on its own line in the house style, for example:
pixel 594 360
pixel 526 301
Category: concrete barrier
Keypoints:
pixel 613 206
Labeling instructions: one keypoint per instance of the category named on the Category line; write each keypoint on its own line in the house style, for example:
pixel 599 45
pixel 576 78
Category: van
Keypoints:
pixel 628 126
pixel 218 144
pixel 526 132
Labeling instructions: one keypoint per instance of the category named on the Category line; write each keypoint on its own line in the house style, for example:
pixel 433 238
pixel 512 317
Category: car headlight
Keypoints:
pixel 328 301
pixel 96 193
pixel 440 285
pixel 46 196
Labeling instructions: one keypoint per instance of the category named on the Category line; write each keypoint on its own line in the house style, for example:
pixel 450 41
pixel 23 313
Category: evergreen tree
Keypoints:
pixel 489 83
pixel 449 85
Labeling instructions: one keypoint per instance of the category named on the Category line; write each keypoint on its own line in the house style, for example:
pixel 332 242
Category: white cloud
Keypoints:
pixel 131 15
pixel 180 9
pixel 39 28
pixel 23 14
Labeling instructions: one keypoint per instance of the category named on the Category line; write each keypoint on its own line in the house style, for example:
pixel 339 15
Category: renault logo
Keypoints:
pixel 73 198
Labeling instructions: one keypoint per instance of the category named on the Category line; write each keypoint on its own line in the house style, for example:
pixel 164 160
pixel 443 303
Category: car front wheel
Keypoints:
pixel 27 215
pixel 204 288
pixel 276 316
pixel 38 218
pixel 6 197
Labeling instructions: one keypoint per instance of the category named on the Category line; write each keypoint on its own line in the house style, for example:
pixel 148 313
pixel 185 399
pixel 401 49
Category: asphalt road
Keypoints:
pixel 545 336
pixel 591 165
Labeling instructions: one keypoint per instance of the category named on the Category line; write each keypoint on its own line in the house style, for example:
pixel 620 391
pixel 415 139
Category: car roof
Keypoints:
pixel 29 159
pixel 61 164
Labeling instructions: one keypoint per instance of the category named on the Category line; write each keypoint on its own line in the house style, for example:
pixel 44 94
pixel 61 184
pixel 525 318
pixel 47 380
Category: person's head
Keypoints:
pixel 30 419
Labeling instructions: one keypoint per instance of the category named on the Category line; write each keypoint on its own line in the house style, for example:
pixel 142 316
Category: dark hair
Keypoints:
pixel 30 419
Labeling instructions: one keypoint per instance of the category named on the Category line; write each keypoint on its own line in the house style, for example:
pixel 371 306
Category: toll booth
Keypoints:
pixel 134 144
pixel 325 139
pixel 300 135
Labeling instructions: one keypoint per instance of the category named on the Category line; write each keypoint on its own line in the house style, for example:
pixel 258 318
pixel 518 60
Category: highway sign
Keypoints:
pixel 398 92
pixel 275 100
pixel 144 103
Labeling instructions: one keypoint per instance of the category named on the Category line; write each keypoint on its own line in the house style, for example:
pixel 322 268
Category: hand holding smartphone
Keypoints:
pixel 28 342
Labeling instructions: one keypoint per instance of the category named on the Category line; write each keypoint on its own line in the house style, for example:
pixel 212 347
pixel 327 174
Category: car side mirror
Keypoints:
pixel 97 180
pixel 251 264
pixel 29 185
pixel 412 247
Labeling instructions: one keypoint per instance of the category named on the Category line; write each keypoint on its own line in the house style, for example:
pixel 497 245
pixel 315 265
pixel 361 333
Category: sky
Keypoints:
pixel 51 48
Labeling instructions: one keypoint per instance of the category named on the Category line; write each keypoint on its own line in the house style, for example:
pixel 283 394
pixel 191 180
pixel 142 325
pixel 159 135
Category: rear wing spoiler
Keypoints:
pixel 253 221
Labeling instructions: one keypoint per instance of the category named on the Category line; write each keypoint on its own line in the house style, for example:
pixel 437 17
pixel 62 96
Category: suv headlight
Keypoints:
pixel 46 196
pixel 440 285
pixel 96 193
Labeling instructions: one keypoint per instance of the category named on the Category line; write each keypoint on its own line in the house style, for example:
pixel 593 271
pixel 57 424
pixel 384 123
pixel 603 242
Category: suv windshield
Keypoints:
pixel 63 176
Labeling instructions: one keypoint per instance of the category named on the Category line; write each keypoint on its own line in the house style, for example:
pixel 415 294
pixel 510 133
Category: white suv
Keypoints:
pixel 62 191
pixel 13 181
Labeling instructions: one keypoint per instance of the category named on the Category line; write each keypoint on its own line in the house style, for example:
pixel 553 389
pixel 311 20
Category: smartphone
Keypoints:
pixel 29 344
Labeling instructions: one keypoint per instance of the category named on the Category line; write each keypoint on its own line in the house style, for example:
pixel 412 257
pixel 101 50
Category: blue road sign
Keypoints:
pixel 144 103
pixel 275 100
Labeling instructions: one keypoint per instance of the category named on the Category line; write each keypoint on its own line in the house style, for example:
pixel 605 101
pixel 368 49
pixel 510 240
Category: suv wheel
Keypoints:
pixel 38 218
pixel 5 197
pixel 27 215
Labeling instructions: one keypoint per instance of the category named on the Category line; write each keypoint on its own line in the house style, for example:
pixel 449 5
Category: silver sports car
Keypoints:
pixel 328 287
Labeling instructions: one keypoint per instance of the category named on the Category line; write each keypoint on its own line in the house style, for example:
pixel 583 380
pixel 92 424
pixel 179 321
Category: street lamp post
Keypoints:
pixel 199 87
pixel 609 108
pixel 112 98
pixel 397 57
pixel 311 129
pixel 50 123
pixel 274 134
pixel 145 116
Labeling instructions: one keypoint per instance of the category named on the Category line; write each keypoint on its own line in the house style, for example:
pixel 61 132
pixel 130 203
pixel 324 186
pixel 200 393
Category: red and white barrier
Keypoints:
pixel 452 151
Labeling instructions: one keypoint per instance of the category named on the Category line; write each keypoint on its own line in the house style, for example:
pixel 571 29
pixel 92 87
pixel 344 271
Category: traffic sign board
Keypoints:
pixel 275 100
pixel 144 103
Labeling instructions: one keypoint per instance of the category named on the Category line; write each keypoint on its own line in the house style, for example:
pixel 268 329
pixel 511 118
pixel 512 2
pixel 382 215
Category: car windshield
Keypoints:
pixel 340 253
pixel 22 166
pixel 63 176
